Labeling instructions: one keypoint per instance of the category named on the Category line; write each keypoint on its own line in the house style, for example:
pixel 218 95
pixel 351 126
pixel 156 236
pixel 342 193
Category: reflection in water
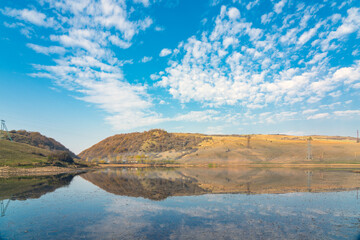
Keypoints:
pixel 23 188
pixel 309 175
pixel 191 203
pixel 3 206
pixel 158 184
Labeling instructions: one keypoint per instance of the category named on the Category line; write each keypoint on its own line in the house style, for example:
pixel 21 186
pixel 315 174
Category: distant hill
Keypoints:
pixel 38 140
pixel 198 149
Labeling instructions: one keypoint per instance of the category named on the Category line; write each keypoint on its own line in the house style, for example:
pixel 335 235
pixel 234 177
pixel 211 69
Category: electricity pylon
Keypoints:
pixel 3 207
pixel 309 152
pixel 4 131
pixel 248 141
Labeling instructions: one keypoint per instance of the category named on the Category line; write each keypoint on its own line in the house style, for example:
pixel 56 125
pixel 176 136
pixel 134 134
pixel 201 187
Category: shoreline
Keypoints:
pixel 6 172
pixel 262 165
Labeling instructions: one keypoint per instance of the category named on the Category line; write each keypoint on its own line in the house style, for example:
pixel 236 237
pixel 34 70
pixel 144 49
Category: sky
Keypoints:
pixel 80 71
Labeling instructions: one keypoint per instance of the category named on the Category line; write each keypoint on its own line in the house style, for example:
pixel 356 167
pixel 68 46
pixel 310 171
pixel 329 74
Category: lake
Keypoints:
pixel 183 203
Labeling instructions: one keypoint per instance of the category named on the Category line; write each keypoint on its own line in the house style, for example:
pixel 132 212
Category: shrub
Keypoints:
pixel 61 156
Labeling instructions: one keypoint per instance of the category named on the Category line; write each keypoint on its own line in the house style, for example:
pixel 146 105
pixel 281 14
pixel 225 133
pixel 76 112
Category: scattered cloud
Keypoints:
pixel 46 50
pixel 347 113
pixel 164 52
pixel 159 28
pixel 30 16
pixel 278 7
pixel 146 59
pixel 319 116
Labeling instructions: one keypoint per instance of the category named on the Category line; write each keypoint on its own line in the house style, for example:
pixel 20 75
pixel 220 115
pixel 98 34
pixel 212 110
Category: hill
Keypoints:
pixel 38 140
pixel 150 142
pixel 21 154
pixel 198 149
pixel 14 154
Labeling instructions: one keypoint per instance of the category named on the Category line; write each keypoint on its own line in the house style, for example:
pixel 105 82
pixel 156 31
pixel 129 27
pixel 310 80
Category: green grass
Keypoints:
pixel 14 154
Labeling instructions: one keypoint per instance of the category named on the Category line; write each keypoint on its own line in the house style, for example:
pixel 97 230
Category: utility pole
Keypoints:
pixel 4 131
pixel 357 137
pixel 309 152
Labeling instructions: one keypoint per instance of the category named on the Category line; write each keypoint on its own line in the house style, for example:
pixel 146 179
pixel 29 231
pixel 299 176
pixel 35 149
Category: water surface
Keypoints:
pixel 192 203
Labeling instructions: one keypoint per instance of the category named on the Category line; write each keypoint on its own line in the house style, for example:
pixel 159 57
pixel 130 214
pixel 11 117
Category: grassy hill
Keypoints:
pixel 158 145
pixel 21 154
pixel 38 140
pixel 14 154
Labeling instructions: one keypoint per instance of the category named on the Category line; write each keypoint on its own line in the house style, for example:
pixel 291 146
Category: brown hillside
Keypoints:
pixel 197 149
pixel 153 141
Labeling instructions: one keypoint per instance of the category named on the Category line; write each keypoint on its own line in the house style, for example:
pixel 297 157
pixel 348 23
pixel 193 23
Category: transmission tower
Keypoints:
pixel 3 207
pixel 248 141
pixel 309 176
pixel 309 152
pixel 4 131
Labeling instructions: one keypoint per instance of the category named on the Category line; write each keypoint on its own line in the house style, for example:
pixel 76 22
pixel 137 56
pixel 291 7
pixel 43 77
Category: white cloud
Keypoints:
pixel 318 116
pixel 266 18
pixel 278 7
pixel 46 50
pixel 159 28
pixel 349 25
pixel 119 42
pixel 249 75
pixel 31 16
pixel 252 4
pixel 146 3
pixel 164 52
pixel 310 111
pixel 197 116
pixel 146 59
pixel 90 68
pixel 318 57
pixel 306 36
pixel 347 113
pixel 233 13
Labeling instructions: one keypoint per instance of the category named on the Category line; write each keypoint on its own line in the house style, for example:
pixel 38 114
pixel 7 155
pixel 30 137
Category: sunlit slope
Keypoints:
pixel 189 148
pixel 276 149
pixel 21 154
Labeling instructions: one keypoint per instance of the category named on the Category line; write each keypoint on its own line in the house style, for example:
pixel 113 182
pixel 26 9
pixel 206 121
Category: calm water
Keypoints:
pixel 183 204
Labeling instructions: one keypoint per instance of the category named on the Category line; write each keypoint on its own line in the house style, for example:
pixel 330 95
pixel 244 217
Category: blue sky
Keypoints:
pixel 79 71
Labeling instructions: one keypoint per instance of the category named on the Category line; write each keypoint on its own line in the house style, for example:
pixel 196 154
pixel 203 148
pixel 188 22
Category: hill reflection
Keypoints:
pixel 158 184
